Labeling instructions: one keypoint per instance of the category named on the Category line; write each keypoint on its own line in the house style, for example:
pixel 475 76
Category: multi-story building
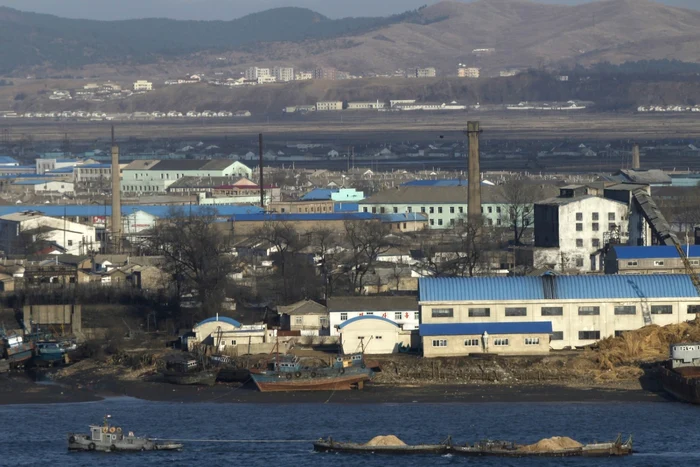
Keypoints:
pixel 657 259
pixel 366 105
pixel 253 73
pixel 88 173
pixel 329 105
pixel 43 187
pixel 445 206
pixel 572 229
pixel 468 72
pixel 429 72
pixel 283 73
pixel 325 73
pixel 459 316
pixel 19 230
pixel 304 75
pixel 266 79
pixel 143 85
pixel 155 176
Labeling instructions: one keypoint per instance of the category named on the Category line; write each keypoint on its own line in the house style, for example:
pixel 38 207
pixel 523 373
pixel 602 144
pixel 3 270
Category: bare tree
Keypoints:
pixel 460 251
pixel 520 197
pixel 326 247
pixel 366 241
pixel 197 253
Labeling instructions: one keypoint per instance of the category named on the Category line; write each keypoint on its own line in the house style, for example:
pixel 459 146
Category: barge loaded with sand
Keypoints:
pixel 549 447
pixel 680 377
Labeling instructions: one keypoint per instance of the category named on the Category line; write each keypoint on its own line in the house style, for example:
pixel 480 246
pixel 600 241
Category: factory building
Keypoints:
pixel 581 309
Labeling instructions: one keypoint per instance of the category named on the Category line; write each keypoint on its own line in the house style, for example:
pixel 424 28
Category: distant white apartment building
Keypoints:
pixel 506 73
pixel 468 72
pixel 253 73
pixel 329 105
pixel 283 74
pixel 88 173
pixel 143 85
pixel 366 105
pixel 304 75
pixel 395 102
pixel 429 72
pixel 266 79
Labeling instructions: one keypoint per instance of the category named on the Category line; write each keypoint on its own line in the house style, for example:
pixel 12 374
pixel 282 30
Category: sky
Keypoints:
pixel 230 9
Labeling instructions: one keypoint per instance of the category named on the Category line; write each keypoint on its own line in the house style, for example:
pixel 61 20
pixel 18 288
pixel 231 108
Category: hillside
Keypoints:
pixel 522 34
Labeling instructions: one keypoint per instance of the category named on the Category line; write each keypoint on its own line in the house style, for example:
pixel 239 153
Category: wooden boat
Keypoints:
pixel 15 350
pixel 333 446
pixel 189 373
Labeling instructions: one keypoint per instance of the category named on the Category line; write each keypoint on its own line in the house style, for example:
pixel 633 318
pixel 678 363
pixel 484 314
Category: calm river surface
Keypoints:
pixel 35 435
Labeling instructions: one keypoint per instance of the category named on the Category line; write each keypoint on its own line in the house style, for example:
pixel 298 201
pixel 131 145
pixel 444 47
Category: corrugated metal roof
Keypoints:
pixel 224 319
pixel 291 217
pixel 649 252
pixel 406 217
pixel 625 286
pixel 366 317
pixel 319 194
pixel 434 289
pixel 478 329
pixel 558 287
pixel 346 207
pixel 7 160
pixel 89 210
pixel 30 182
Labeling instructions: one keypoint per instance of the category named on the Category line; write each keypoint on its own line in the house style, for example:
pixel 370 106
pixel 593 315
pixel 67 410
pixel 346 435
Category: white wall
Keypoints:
pixel 409 318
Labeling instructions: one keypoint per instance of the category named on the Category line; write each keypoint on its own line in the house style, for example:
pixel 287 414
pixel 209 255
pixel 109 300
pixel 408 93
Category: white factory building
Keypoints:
pixel 580 309
pixel 18 228
pixel 155 176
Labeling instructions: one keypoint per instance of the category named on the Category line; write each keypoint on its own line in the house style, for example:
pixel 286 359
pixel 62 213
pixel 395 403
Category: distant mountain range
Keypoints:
pixel 517 34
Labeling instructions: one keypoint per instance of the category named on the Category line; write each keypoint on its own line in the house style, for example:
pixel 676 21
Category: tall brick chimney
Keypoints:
pixel 635 157
pixel 474 174
pixel 116 226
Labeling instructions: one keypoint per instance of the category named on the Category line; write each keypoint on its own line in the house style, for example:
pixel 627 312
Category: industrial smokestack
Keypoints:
pixel 635 157
pixel 262 186
pixel 474 174
pixel 116 198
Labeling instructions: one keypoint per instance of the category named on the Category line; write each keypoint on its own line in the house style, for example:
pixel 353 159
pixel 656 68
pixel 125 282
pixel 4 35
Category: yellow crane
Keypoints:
pixel 686 264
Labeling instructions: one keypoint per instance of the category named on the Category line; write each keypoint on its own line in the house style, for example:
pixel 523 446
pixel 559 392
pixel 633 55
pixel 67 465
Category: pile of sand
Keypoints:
pixel 556 443
pixel 388 440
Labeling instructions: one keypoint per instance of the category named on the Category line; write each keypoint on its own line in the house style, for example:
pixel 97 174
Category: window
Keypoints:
pixel 416 315
pixel 693 308
pixel 70 242
pixel 557 336
pixel 532 341
pixel 452 222
pixel 595 216
pixel 588 310
pixel 500 342
pixel 552 311
pixel 298 320
pixel 410 209
pixel 626 310
pixel 439 221
pixel 323 321
pixel 343 317
pixel 490 210
pixel 461 210
pixel 397 315
pixel 519 311
pixel 579 216
pixel 377 337
pixel 579 262
pixel 370 313
pixel 619 333
pixel 589 335
pixel 439 210
pixel 498 209
pixel 233 342
pixel 381 210
pixel 422 209
pixel 695 262
pixel 498 221
pixel 479 312
pixel 374 210
pixel 579 243
pixel 396 210
pixel 439 342
pixel 595 227
pixel 595 243
pixel 579 227
pixel 404 225
pixel 611 216
pixel 452 209
pixel 632 263
pixel 658 263
pixel 432 221
pixel 662 309
pixel 442 313
pixel 471 342
pixel 432 210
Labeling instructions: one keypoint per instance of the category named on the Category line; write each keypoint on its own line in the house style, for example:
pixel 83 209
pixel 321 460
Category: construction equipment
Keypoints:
pixel 686 264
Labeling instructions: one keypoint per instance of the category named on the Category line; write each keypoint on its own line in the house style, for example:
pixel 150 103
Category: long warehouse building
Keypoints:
pixel 581 309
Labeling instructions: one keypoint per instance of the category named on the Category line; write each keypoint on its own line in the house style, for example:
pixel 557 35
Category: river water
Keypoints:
pixel 31 435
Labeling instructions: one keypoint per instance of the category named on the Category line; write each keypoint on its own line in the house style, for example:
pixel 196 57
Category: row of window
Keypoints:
pixel 559 311
pixel 660 262
pixel 595 216
pixel 497 342
pixel 430 209
pixel 398 315
pixel 595 243
pixel 595 226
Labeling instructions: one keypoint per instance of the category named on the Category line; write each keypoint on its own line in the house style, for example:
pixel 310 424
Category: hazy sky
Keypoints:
pixel 229 9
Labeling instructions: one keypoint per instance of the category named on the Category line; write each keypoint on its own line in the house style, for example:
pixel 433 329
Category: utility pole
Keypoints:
pixel 262 186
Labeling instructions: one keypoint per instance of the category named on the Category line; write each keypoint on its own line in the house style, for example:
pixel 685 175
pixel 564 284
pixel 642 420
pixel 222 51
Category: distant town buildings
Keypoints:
pixel 253 73
pixel 429 72
pixel 468 72
pixel 366 105
pixel 507 73
pixel 325 73
pixel 283 74
pixel 143 85
pixel 329 105
pixel 304 75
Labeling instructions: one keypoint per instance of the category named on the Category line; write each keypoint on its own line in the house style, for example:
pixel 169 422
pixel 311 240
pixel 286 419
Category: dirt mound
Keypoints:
pixel 556 443
pixel 388 440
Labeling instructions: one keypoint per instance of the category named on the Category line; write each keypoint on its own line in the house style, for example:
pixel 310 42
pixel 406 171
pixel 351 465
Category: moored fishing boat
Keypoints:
pixel 15 350
pixel 190 373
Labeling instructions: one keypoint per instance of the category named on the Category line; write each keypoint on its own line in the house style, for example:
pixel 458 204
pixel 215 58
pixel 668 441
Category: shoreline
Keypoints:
pixel 23 390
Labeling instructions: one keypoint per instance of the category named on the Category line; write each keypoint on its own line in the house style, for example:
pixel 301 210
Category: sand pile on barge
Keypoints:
pixel 556 443
pixel 388 440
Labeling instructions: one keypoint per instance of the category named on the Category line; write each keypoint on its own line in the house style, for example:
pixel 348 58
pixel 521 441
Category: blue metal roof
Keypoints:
pixel 94 166
pixel 7 160
pixel 331 216
pixel 62 170
pixel 89 210
pixel 30 182
pixel 454 182
pixel 478 329
pixel 649 252
pixel 365 317
pixel 25 175
pixel 346 207
pixel 625 286
pixel 319 194
pixel 224 319
pixel 406 217
pixel 558 287
pixel 434 289
pixel 222 211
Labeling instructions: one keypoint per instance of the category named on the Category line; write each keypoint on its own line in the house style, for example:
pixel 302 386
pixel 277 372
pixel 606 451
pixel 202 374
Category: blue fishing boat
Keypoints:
pixel 50 353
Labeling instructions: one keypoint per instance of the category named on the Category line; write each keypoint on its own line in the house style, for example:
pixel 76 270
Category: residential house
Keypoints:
pixel 306 316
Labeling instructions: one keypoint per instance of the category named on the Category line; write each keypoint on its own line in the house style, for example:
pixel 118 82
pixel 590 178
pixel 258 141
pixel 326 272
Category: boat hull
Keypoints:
pixel 279 383
pixel 682 388
pixel 19 355
pixel 202 378
pixel 329 446
pixel 80 442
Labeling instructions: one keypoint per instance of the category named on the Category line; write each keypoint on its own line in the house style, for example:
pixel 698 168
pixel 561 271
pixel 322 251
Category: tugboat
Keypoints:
pixel 110 438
